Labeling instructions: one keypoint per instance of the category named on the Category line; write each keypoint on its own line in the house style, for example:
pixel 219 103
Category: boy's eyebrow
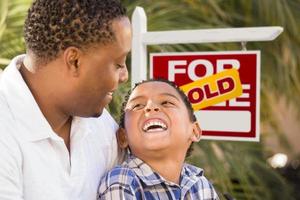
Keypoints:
pixel 171 95
pixel 135 98
pixel 165 94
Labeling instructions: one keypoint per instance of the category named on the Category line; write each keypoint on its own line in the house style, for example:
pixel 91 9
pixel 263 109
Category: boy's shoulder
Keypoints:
pixel 193 168
pixel 129 174
pixel 194 175
pixel 192 171
pixel 193 179
pixel 120 178
pixel 120 175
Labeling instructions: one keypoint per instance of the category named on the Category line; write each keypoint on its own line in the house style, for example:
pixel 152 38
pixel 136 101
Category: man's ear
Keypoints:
pixel 71 57
pixel 121 138
pixel 197 132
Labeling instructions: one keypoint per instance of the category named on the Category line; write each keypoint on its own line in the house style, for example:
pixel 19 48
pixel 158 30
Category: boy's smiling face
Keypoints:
pixel 157 120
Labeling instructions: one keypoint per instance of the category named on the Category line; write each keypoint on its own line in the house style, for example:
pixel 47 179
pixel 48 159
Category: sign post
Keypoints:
pixel 246 131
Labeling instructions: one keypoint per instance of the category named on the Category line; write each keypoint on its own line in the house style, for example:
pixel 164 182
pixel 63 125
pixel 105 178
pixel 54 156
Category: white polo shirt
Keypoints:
pixel 34 161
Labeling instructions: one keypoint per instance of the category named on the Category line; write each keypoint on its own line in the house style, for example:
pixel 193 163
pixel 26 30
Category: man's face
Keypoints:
pixel 157 121
pixel 102 69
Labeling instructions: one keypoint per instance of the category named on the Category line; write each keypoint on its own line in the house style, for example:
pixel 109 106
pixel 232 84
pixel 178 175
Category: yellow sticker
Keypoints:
pixel 214 89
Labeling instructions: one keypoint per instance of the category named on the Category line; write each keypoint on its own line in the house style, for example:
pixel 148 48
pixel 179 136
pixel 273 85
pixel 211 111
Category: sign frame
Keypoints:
pixel 256 136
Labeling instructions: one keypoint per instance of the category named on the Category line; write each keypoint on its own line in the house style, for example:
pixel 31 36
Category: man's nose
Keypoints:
pixel 123 76
pixel 152 106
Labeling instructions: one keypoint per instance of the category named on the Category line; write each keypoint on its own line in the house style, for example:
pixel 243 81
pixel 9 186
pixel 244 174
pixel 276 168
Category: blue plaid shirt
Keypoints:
pixel 134 179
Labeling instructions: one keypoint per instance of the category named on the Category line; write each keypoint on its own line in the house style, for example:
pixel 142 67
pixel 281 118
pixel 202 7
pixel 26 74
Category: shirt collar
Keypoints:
pixel 33 125
pixel 80 128
pixel 189 174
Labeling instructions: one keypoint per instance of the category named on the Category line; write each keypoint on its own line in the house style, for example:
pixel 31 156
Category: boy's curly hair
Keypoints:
pixel 53 25
pixel 182 95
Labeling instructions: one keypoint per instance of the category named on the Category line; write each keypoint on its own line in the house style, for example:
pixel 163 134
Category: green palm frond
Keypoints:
pixel 12 16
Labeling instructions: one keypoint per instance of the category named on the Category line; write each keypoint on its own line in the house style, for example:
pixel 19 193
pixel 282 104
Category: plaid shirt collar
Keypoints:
pixel 189 174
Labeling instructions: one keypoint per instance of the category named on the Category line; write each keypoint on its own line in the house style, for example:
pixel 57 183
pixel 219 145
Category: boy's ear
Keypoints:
pixel 197 132
pixel 121 138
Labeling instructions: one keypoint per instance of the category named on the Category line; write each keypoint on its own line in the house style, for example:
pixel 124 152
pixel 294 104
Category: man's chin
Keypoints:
pixel 93 115
pixel 98 114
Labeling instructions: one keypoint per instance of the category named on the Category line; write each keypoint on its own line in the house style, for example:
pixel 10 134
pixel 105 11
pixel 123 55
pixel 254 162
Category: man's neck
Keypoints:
pixel 44 91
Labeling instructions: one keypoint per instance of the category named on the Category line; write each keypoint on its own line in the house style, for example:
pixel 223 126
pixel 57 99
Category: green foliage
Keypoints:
pixel 12 16
pixel 240 169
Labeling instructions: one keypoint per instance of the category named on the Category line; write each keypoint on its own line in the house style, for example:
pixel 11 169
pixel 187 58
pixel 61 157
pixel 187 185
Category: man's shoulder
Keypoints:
pixel 6 119
pixel 8 143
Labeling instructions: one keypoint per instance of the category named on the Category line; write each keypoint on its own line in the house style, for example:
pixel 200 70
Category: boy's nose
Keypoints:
pixel 151 106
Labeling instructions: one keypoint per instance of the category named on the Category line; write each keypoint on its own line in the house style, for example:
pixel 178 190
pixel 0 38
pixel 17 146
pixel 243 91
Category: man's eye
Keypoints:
pixel 120 66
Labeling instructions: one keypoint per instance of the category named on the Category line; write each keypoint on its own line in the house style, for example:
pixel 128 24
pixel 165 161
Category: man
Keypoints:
pixel 56 138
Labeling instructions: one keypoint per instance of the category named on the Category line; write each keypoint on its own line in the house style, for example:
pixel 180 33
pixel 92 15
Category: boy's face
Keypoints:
pixel 157 120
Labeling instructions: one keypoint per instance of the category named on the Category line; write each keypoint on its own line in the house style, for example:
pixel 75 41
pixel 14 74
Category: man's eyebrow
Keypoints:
pixel 125 54
pixel 121 56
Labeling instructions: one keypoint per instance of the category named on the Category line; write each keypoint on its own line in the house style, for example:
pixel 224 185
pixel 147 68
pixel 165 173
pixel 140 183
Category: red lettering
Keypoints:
pixel 225 85
pixel 195 95
pixel 209 94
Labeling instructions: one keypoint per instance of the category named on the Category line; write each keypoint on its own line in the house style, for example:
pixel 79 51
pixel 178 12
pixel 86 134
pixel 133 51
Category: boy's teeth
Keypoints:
pixel 154 126
pixel 154 130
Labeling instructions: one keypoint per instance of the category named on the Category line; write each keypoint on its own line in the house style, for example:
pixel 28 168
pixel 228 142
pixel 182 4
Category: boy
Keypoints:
pixel 157 128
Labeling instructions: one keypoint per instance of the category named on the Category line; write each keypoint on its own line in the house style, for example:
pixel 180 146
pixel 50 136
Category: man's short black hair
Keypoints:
pixel 53 25
pixel 182 95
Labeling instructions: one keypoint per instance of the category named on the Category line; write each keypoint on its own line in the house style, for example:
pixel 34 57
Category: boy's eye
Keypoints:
pixel 137 106
pixel 167 103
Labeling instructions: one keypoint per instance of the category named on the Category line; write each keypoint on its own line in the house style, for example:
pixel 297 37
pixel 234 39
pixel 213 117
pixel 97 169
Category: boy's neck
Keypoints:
pixel 169 168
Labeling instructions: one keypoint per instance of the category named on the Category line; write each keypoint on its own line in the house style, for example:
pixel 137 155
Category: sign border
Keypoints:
pixel 258 73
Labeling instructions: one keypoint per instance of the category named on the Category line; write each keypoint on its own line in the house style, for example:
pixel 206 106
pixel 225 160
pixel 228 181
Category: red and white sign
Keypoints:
pixel 235 119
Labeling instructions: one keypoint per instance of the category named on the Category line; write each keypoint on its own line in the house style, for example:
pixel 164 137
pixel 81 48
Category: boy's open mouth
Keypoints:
pixel 154 125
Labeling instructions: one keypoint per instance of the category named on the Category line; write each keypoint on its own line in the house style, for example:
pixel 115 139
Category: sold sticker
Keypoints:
pixel 214 89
